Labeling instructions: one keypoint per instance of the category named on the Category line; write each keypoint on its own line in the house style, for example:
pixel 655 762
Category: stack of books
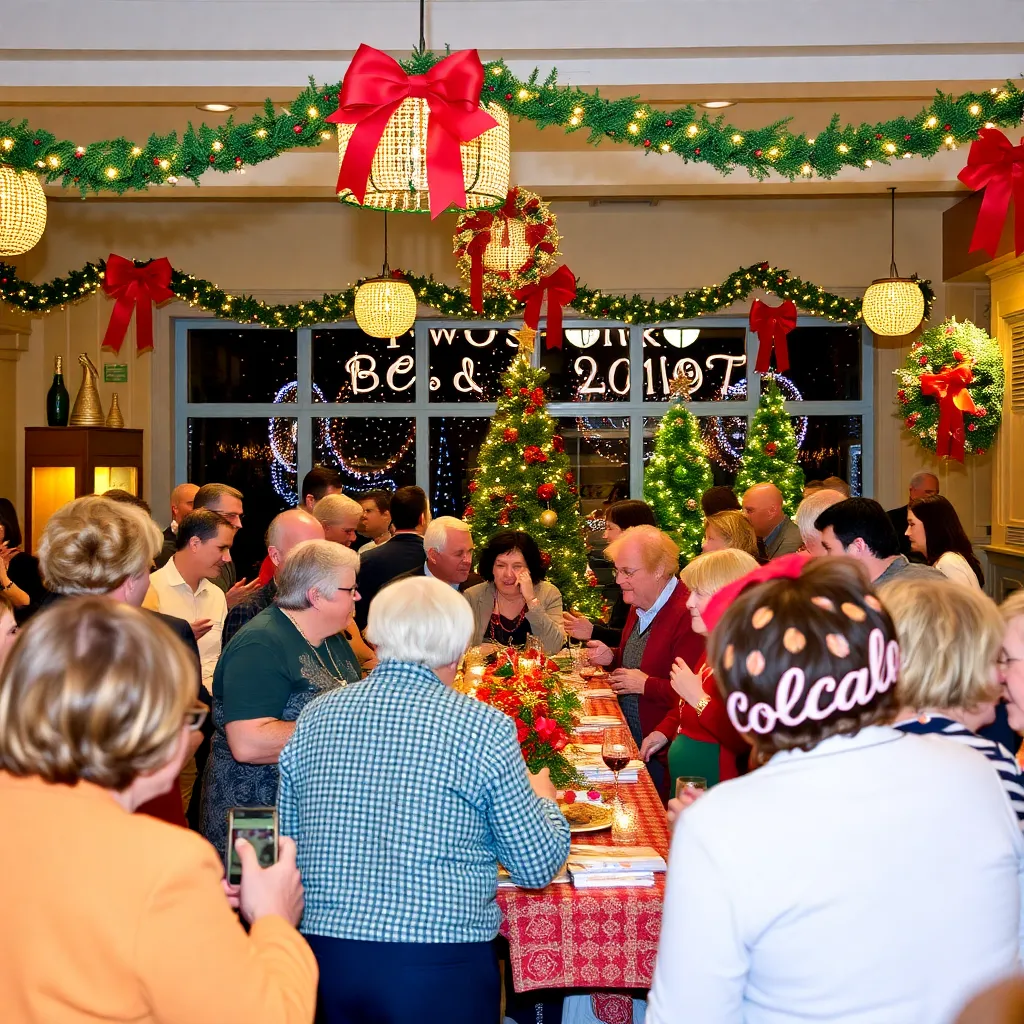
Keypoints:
pixel 593 769
pixel 599 867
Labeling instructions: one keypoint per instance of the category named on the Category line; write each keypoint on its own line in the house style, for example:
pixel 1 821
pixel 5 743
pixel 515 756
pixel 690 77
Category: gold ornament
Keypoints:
pixel 680 386
pixel 22 211
pixel 87 410
pixel 548 518
pixel 385 307
pixel 526 336
pixel 114 417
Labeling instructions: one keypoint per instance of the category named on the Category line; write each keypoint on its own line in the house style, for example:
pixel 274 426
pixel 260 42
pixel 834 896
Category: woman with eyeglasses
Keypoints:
pixel 110 915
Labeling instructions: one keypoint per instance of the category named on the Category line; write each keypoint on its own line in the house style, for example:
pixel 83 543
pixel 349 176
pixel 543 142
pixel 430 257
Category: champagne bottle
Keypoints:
pixel 58 402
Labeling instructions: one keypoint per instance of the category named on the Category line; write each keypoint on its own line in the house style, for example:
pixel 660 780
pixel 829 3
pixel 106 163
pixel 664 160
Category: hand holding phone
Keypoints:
pixel 275 890
pixel 258 825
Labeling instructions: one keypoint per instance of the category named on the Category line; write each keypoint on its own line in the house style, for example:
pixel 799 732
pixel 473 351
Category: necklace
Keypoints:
pixel 496 624
pixel 337 675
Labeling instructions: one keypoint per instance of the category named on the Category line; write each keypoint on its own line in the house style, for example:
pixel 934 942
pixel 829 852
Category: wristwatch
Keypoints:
pixel 702 704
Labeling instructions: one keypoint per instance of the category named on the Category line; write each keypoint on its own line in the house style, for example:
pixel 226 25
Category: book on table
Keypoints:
pixel 593 867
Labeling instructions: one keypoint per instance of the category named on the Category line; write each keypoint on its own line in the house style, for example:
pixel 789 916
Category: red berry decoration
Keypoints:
pixel 569 796
pixel 78 156
pixel 545 559
pixel 947 127
pixel 647 143
pixel 906 138
pixel 771 448
pixel 901 395
pixel 37 142
pixel 972 426
pixel 156 160
pixel 511 435
pixel 524 391
pixel 668 123
pixel 546 491
pixel 508 392
pixel 696 152
pixel 212 158
pixel 532 453
pixel 570 477
pixel 473 487
pixel 538 396
pixel 468 512
pixel 530 410
pixel 958 356
pixel 508 95
pixel 923 360
pixel 594 794
pixel 297 128
pixel 758 152
pixel 558 443
pixel 982 411
pixel 510 499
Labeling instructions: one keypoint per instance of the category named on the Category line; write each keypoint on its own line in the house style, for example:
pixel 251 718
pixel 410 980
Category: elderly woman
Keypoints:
pixel 836 834
pixel 657 631
pixel 515 600
pixel 704 743
pixel 97 704
pixel 273 667
pixel 729 529
pixel 935 531
pixel 950 639
pixel 403 795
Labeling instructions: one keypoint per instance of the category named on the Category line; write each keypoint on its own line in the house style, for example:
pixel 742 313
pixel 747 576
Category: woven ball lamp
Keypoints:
pixel 385 306
pixel 507 251
pixel 398 174
pixel 894 305
pixel 22 211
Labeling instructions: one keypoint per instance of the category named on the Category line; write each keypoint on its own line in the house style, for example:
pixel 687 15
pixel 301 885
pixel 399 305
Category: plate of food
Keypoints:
pixel 586 815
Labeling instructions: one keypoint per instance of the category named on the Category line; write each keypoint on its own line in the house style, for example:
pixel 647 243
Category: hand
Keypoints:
pixel 653 742
pixel 542 784
pixel 525 584
pixel 241 591
pixel 7 553
pixel 628 680
pixel 274 890
pixel 579 627
pixel 599 653
pixel 232 892
pixel 201 627
pixel 678 804
pixel 686 683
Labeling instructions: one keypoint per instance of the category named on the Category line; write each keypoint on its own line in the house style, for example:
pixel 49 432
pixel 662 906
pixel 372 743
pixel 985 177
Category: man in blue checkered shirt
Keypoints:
pixel 402 796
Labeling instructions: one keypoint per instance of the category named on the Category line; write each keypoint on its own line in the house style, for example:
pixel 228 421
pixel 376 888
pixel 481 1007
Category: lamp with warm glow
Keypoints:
pixel 22 211
pixel 893 305
pixel 385 306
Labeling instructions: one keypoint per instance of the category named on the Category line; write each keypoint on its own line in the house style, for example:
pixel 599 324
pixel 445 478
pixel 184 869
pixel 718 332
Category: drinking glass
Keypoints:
pixel 684 782
pixel 616 753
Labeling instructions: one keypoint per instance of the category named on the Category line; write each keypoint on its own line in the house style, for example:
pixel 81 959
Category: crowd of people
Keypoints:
pixel 851 696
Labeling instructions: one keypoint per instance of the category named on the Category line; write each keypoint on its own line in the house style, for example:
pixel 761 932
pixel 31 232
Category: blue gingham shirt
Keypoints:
pixel 402 796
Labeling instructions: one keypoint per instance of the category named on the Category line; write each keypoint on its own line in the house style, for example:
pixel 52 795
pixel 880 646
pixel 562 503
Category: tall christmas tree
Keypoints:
pixel 525 483
pixel 771 451
pixel 678 473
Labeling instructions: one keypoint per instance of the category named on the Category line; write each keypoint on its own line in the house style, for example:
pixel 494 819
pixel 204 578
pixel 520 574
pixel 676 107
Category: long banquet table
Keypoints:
pixel 563 937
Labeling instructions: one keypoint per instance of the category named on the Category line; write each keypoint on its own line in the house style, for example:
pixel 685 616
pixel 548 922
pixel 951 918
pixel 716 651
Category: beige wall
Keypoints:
pixel 285 250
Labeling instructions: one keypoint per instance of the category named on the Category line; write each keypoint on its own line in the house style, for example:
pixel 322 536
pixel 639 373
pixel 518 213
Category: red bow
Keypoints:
pixel 997 166
pixel 373 89
pixel 560 285
pixel 135 289
pixel 950 389
pixel 772 324
pixel 786 567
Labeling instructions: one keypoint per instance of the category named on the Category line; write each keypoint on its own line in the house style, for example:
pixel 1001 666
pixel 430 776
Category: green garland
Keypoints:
pixel 448 300
pixel 120 165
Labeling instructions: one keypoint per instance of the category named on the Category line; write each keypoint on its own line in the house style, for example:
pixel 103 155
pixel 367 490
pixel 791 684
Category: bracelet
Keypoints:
pixel 702 704
pixel 535 603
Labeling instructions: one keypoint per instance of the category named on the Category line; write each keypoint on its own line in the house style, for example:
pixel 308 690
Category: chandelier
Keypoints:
pixel 385 306
pixel 893 305
pixel 22 211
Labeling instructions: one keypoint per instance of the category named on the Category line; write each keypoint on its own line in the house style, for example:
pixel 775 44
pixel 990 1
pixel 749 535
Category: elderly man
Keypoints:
pixel 403 796
pixel 339 515
pixel 448 544
pixel 181 504
pixel 776 532
pixel 922 485
pixel 806 515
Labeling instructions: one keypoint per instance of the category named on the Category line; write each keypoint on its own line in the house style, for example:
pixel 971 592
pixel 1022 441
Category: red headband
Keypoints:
pixel 785 567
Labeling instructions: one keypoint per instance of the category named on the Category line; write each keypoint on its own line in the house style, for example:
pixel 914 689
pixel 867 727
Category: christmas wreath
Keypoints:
pixel 501 251
pixel 950 391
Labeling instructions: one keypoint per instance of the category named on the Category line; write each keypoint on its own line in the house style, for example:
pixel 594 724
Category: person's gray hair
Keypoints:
pixel 811 507
pixel 919 478
pixel 435 538
pixel 312 565
pixel 334 508
pixel 421 620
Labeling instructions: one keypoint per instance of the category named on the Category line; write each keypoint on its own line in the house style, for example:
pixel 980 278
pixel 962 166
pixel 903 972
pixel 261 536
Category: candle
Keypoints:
pixel 624 825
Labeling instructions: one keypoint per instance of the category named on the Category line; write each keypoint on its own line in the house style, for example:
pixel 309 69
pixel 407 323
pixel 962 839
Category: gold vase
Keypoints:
pixel 87 410
pixel 114 417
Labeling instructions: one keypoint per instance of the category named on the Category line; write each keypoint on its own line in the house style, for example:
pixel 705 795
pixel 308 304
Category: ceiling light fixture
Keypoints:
pixel 893 306
pixel 718 104
pixel 216 108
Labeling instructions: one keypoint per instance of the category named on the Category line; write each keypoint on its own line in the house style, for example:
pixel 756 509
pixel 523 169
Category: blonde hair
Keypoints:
pixel 949 638
pixel 6 604
pixel 333 508
pixel 1013 606
pixel 92 545
pixel 94 690
pixel 657 550
pixel 708 573
pixel 811 507
pixel 735 529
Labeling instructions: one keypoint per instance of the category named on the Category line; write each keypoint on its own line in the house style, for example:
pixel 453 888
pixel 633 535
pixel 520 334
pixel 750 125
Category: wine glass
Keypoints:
pixel 616 753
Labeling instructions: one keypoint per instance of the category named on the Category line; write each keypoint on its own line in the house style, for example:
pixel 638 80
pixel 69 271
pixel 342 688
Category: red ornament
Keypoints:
pixel 532 453
pixel 524 391
pixel 212 158
pixel 545 559
pixel 696 151
pixel 947 127
pixel 530 410
pixel 510 499
pixel 297 128
pixel 473 487
pixel 878 135
pixel 37 142
pixel 771 448
pixel 156 160
pixel 668 123
pixel 510 435
pixel 647 143
pixel 569 477
pixel 912 419
pixel 906 138
pixel 758 152
pixel 958 356
pixel 468 512
pixel 923 360
pixel 503 517
pixel 538 396
pixel 546 491
pixel 981 451
pixel 972 426
pixel 982 411
pixel 238 161
pixel 901 395
pixel 508 392
pixel 508 95
pixel 78 156
pixel 558 443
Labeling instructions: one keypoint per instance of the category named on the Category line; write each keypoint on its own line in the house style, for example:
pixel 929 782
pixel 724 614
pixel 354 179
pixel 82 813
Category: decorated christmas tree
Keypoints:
pixel 770 455
pixel 678 473
pixel 525 483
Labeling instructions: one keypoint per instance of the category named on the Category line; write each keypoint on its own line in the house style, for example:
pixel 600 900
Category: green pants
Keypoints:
pixel 692 757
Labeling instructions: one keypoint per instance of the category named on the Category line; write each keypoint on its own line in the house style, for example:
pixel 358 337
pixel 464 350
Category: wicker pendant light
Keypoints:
pixel 385 306
pixel 893 305
pixel 22 211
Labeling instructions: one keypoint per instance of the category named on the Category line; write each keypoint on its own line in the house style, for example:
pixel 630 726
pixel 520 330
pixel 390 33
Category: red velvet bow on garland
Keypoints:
pixel 997 166
pixel 375 86
pixel 772 324
pixel 950 389
pixel 136 289
pixel 560 286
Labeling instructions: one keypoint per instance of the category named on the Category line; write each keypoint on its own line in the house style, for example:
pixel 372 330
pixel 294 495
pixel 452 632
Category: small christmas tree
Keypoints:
pixel 771 451
pixel 678 473
pixel 525 483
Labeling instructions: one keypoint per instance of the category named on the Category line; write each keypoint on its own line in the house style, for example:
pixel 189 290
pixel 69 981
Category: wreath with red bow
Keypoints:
pixel 950 392
pixel 501 251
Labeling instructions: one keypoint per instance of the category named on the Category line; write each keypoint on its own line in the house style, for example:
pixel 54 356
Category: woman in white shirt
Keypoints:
pixel 935 531
pixel 861 874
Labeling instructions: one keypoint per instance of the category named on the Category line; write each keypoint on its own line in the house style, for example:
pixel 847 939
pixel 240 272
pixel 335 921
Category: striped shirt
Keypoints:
pixel 1002 760
pixel 402 796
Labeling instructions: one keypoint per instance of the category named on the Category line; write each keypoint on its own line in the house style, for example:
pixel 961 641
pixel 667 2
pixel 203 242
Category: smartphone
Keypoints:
pixel 259 826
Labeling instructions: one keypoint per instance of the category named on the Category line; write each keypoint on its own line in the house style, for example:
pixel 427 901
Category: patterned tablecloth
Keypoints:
pixel 563 937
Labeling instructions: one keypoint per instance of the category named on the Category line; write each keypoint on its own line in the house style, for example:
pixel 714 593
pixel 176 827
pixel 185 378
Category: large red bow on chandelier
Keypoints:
pixel 373 89
pixel 997 166
pixel 950 389
pixel 136 289
pixel 772 324
pixel 560 286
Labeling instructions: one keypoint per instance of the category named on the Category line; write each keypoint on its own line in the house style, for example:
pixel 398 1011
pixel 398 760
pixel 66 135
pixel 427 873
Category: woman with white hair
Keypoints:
pixel 402 796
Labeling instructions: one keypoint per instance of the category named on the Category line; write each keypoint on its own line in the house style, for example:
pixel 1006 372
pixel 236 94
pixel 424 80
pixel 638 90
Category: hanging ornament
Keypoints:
pixel 560 286
pixel 22 211
pixel 893 305
pixel 546 491
pixel 772 325
pixel 548 518
pixel 510 435
pixel 997 166
pixel 508 249
pixel 385 306
pixel 533 453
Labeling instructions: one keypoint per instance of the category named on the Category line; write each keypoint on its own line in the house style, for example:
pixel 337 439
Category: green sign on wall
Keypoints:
pixel 115 373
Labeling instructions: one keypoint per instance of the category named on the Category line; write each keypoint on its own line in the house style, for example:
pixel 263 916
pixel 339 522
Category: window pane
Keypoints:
pixel 724 438
pixel 454 457
pixel 598 450
pixel 591 366
pixel 258 457
pixel 227 365
pixel 714 358
pixel 349 366
pixel 831 446
pixel 378 451
pixel 465 364
pixel 825 363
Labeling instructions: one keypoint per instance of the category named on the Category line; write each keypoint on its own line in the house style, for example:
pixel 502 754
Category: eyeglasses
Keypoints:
pixel 1004 659
pixel 348 590
pixel 628 573
pixel 195 716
